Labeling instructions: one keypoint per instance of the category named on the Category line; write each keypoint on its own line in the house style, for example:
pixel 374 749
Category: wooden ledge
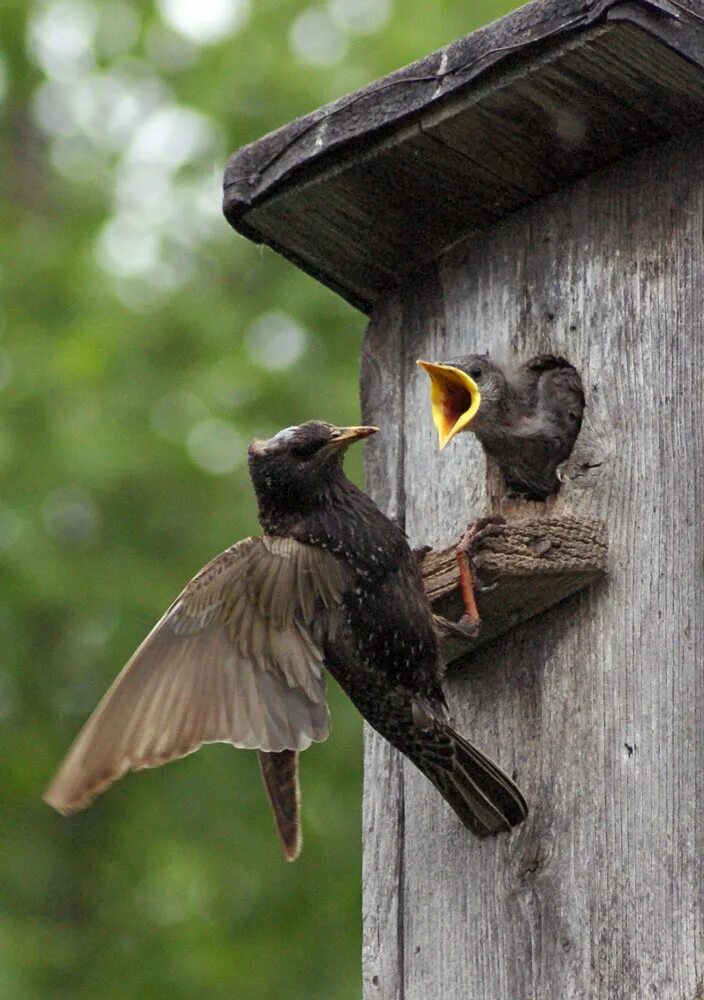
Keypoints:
pixel 532 565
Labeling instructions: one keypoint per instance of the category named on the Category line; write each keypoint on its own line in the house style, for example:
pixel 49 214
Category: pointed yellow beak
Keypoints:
pixel 454 399
pixel 345 436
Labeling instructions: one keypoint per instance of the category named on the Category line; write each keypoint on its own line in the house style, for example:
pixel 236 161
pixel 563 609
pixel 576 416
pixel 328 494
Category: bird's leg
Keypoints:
pixel 470 623
pixel 477 532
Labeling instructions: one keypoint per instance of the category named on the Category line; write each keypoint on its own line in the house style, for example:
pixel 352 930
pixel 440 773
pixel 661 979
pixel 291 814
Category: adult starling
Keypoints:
pixel 527 419
pixel 239 655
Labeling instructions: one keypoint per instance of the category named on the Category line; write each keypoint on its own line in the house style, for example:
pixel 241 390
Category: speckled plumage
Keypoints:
pixel 380 643
pixel 238 657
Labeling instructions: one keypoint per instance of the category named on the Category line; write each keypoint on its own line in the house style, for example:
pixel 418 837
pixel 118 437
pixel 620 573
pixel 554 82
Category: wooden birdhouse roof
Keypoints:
pixel 368 189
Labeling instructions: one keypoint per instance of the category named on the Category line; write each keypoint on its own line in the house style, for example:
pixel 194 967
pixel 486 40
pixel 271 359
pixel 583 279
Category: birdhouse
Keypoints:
pixel 535 187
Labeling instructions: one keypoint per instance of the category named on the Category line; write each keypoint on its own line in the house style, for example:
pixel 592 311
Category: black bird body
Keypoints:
pixel 527 419
pixel 238 656
pixel 381 646
pixel 384 619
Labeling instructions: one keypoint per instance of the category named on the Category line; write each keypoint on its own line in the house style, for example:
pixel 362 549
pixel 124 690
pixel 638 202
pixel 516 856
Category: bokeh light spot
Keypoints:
pixel 205 21
pixel 316 39
pixel 61 38
pixel 216 446
pixel 126 248
pixel 275 340
pixel 171 136
pixel 71 517
pixel 360 17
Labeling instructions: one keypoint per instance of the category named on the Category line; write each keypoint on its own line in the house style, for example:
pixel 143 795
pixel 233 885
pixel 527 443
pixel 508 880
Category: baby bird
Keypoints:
pixel 527 419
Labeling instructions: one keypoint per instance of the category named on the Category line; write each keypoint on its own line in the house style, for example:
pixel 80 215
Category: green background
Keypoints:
pixel 142 344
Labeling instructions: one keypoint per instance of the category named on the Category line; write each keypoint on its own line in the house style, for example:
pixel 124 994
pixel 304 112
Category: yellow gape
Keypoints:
pixel 454 399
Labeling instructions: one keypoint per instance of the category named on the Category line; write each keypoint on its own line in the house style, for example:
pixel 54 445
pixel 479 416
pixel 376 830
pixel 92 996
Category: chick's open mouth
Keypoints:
pixel 454 399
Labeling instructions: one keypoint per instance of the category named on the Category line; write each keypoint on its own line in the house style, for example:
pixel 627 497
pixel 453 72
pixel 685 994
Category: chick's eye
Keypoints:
pixel 475 372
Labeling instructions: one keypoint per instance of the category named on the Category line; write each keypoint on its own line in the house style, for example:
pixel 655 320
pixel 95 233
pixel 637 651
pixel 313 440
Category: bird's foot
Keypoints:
pixel 478 531
pixel 465 628
pixel 476 534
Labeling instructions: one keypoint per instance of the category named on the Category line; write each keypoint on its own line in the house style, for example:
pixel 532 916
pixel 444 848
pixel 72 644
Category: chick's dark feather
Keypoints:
pixel 528 419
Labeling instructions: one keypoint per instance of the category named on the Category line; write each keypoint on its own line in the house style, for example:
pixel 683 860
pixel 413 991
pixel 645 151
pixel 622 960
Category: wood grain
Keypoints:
pixel 383 934
pixel 598 704
pixel 530 567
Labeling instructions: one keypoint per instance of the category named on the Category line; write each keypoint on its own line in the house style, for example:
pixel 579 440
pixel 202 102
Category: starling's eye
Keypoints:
pixel 475 372
pixel 306 449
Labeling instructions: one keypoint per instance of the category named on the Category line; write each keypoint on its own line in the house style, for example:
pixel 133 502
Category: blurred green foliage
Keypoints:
pixel 142 344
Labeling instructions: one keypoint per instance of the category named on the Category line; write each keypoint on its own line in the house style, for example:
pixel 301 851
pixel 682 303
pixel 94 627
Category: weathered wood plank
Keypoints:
pixel 383 937
pixel 529 568
pixel 598 704
pixel 570 111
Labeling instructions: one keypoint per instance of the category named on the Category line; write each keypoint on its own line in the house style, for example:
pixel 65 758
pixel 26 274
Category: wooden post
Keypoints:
pixel 598 704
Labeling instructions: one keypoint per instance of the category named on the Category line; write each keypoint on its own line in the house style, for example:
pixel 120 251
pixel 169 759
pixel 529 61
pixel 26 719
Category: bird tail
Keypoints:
pixel 280 774
pixel 483 796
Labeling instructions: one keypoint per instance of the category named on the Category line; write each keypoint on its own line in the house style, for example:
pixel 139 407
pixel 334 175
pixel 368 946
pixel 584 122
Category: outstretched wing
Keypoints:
pixel 233 660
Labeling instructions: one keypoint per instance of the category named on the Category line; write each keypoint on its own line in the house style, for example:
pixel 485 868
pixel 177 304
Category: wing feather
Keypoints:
pixel 233 660
pixel 557 391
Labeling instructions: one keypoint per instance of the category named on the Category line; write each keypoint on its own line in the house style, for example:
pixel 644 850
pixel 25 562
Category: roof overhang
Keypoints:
pixel 368 189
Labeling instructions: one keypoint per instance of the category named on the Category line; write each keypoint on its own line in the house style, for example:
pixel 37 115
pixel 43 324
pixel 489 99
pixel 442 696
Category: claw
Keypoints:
pixel 477 531
pixel 468 627
pixel 482 528
pixel 465 628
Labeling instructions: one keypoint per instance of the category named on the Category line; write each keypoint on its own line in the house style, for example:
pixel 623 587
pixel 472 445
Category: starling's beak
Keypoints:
pixel 344 436
pixel 454 399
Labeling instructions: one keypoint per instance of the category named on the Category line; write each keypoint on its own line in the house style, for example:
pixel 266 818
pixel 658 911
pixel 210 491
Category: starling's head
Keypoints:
pixel 464 394
pixel 294 470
